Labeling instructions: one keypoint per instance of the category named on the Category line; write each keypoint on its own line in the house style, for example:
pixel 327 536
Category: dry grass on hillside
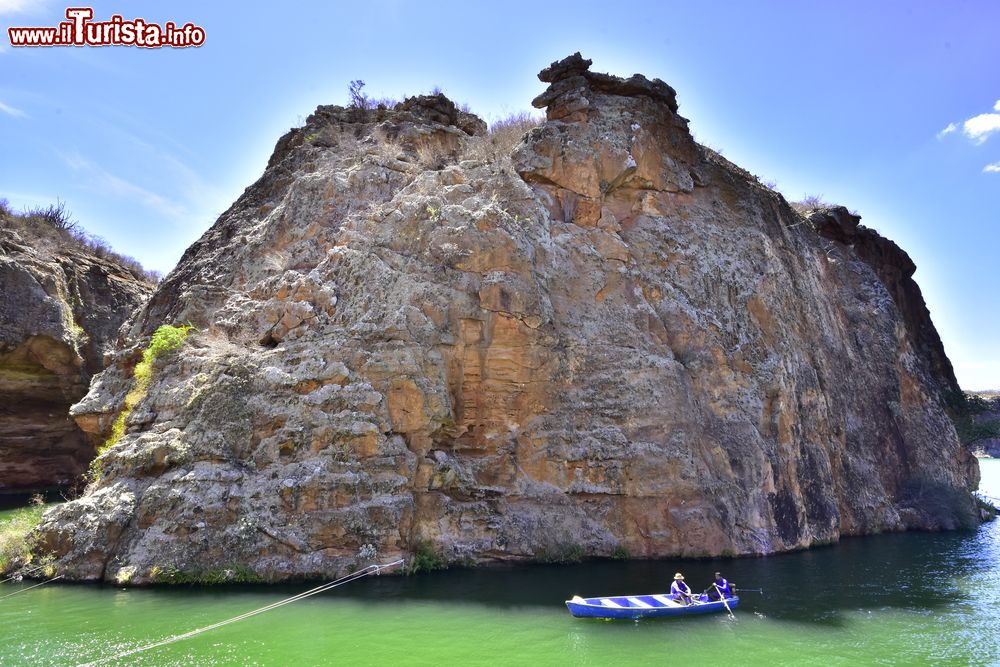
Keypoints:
pixel 503 136
pixel 53 227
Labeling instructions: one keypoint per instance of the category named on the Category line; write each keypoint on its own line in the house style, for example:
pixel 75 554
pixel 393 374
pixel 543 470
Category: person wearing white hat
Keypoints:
pixel 679 590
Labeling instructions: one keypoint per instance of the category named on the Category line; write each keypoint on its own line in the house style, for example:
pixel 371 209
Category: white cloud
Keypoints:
pixel 979 128
pixel 948 130
pixel 11 111
pixel 992 168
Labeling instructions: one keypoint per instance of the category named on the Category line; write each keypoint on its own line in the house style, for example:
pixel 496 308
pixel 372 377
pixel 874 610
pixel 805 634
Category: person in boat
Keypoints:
pixel 679 590
pixel 719 588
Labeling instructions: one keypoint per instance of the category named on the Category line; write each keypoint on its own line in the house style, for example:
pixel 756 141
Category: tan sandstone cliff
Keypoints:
pixel 60 309
pixel 614 339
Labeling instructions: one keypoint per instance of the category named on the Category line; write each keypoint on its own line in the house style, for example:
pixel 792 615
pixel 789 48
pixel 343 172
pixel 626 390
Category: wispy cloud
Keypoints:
pixel 11 111
pixel 104 181
pixel 202 199
pixel 977 128
pixel 12 6
pixel 992 168
pixel 20 6
pixel 948 130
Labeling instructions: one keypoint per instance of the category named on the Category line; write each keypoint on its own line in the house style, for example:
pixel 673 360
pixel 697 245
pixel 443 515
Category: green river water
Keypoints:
pixel 909 599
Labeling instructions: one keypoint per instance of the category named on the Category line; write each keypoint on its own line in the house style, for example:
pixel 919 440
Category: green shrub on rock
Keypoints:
pixel 15 547
pixel 426 559
pixel 166 339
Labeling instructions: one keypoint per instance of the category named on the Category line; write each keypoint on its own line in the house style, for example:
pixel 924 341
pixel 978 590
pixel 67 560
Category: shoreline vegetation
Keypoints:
pixel 16 525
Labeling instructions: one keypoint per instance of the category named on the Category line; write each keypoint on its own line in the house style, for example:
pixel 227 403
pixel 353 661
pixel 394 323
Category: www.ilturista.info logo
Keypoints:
pixel 80 30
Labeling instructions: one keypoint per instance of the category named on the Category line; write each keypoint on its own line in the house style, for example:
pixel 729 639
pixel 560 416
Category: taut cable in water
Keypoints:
pixel 10 595
pixel 371 569
pixel 22 572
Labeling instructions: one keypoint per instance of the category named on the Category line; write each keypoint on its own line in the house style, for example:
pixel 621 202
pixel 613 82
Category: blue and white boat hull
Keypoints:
pixel 644 606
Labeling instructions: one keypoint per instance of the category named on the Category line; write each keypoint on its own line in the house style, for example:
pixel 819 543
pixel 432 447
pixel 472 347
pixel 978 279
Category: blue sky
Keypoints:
pixel 847 100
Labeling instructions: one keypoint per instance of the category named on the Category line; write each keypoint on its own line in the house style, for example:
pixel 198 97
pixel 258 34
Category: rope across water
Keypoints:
pixel 21 573
pixel 371 569
pixel 10 595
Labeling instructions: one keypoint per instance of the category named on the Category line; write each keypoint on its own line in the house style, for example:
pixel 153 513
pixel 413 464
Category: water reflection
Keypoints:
pixel 913 571
pixel 890 599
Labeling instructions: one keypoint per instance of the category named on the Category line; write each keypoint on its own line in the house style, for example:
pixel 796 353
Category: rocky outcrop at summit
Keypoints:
pixel 60 310
pixel 613 339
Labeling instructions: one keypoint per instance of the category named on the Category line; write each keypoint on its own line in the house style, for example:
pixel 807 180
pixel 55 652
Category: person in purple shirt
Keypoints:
pixel 679 590
pixel 720 588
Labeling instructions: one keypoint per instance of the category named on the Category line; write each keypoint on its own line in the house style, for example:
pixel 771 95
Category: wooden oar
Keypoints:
pixel 723 598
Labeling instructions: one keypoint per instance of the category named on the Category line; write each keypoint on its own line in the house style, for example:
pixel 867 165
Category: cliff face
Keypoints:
pixel 60 309
pixel 895 269
pixel 615 339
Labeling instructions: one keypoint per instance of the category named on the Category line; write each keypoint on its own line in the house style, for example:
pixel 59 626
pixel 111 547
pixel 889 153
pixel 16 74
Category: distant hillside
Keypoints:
pixel 63 296
pixel 53 227
pixel 981 429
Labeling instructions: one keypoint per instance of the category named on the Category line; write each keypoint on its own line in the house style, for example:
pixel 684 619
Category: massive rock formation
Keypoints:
pixel 60 308
pixel 613 339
